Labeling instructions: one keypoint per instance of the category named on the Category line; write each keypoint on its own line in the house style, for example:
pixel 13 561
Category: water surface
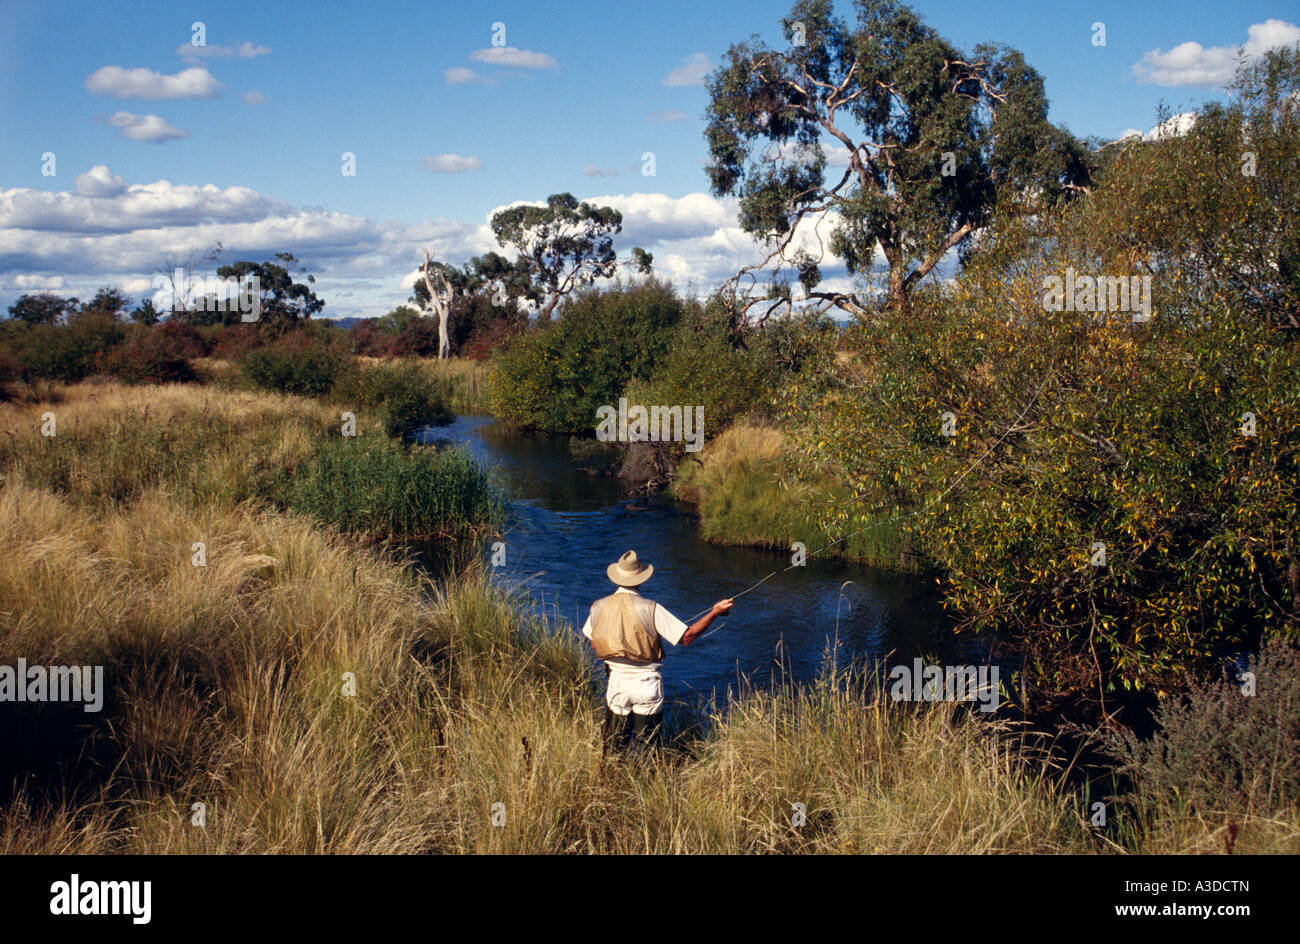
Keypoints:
pixel 568 525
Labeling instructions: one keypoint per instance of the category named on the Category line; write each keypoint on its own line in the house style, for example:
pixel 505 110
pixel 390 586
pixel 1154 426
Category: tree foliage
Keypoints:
pixel 284 301
pixel 934 139
pixel 1118 500
pixel 555 378
pixel 42 308
pixel 565 244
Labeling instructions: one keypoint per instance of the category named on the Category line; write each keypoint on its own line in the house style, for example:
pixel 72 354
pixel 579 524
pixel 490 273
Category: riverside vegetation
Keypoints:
pixel 226 690
pixel 316 693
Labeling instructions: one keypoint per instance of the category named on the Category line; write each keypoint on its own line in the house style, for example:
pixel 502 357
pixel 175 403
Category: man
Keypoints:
pixel 627 631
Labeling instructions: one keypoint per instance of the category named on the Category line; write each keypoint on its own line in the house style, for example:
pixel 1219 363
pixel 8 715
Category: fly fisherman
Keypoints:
pixel 627 631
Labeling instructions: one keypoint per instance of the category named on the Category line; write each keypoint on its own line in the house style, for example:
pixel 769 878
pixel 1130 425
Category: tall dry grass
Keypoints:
pixel 474 723
pixel 466 379
pixel 227 688
pixel 113 441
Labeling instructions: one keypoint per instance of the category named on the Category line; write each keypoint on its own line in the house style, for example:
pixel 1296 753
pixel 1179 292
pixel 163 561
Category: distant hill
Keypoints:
pixel 347 323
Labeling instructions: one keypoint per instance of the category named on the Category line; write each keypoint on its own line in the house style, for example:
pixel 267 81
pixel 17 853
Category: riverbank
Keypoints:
pixel 743 489
pixel 315 694
pixel 465 381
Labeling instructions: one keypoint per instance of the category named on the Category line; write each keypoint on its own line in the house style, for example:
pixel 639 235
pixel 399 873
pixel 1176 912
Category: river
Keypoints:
pixel 568 525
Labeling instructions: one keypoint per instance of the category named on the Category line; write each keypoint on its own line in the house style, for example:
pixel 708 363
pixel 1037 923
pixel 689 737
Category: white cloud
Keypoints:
pixel 136 286
pixel 655 216
pixel 111 231
pixel 79 241
pixel 837 155
pixel 1173 127
pixel 116 82
pixel 1192 64
pixel 40 283
pixel 667 116
pixel 691 72
pixel 191 53
pixel 148 128
pixel 104 203
pixel 254 97
pixel 99 181
pixel 515 58
pixel 463 75
pixel 450 163
pixel 591 170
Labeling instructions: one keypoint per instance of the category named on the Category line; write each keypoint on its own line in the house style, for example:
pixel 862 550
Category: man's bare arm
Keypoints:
pixel 720 608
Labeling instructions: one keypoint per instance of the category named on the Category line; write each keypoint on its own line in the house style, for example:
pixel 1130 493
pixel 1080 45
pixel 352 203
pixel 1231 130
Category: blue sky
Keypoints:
pixel 248 132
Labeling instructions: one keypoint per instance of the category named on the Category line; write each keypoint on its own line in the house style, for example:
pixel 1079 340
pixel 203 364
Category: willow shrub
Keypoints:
pixel 555 377
pixel 401 395
pixel 297 362
pixel 733 373
pixel 66 352
pixel 1104 501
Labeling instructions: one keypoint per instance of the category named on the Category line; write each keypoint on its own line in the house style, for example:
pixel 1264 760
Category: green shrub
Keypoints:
pixel 66 352
pixel 709 364
pixel 1218 749
pixel 1078 434
pixel 297 363
pixel 554 378
pixel 383 489
pixel 405 395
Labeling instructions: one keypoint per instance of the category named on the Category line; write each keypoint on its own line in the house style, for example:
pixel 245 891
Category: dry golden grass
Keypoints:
pixel 227 688
pixel 112 441
pixel 465 377
pixel 228 683
pixel 97 403
pixel 215 370
pixel 468 381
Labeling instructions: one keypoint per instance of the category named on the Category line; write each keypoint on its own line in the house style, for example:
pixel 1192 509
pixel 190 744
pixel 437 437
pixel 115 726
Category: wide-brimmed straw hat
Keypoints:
pixel 627 571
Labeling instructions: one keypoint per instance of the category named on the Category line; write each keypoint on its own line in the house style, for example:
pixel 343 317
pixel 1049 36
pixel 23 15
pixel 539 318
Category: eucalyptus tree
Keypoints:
pixel 446 289
pixel 565 243
pixel 43 308
pixel 282 301
pixel 931 141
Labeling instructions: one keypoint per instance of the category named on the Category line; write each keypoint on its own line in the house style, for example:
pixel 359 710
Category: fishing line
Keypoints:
pixel 1011 429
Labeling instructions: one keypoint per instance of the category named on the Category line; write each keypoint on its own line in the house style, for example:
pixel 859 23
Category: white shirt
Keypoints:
pixel 638 686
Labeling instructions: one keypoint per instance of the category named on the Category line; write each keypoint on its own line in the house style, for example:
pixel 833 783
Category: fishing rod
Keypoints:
pixel 898 517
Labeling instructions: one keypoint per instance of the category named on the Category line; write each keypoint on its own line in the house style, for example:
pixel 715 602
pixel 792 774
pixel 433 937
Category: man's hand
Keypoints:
pixel 721 608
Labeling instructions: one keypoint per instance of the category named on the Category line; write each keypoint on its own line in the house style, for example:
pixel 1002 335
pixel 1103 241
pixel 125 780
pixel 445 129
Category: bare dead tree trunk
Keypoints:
pixel 444 345
pixel 440 299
